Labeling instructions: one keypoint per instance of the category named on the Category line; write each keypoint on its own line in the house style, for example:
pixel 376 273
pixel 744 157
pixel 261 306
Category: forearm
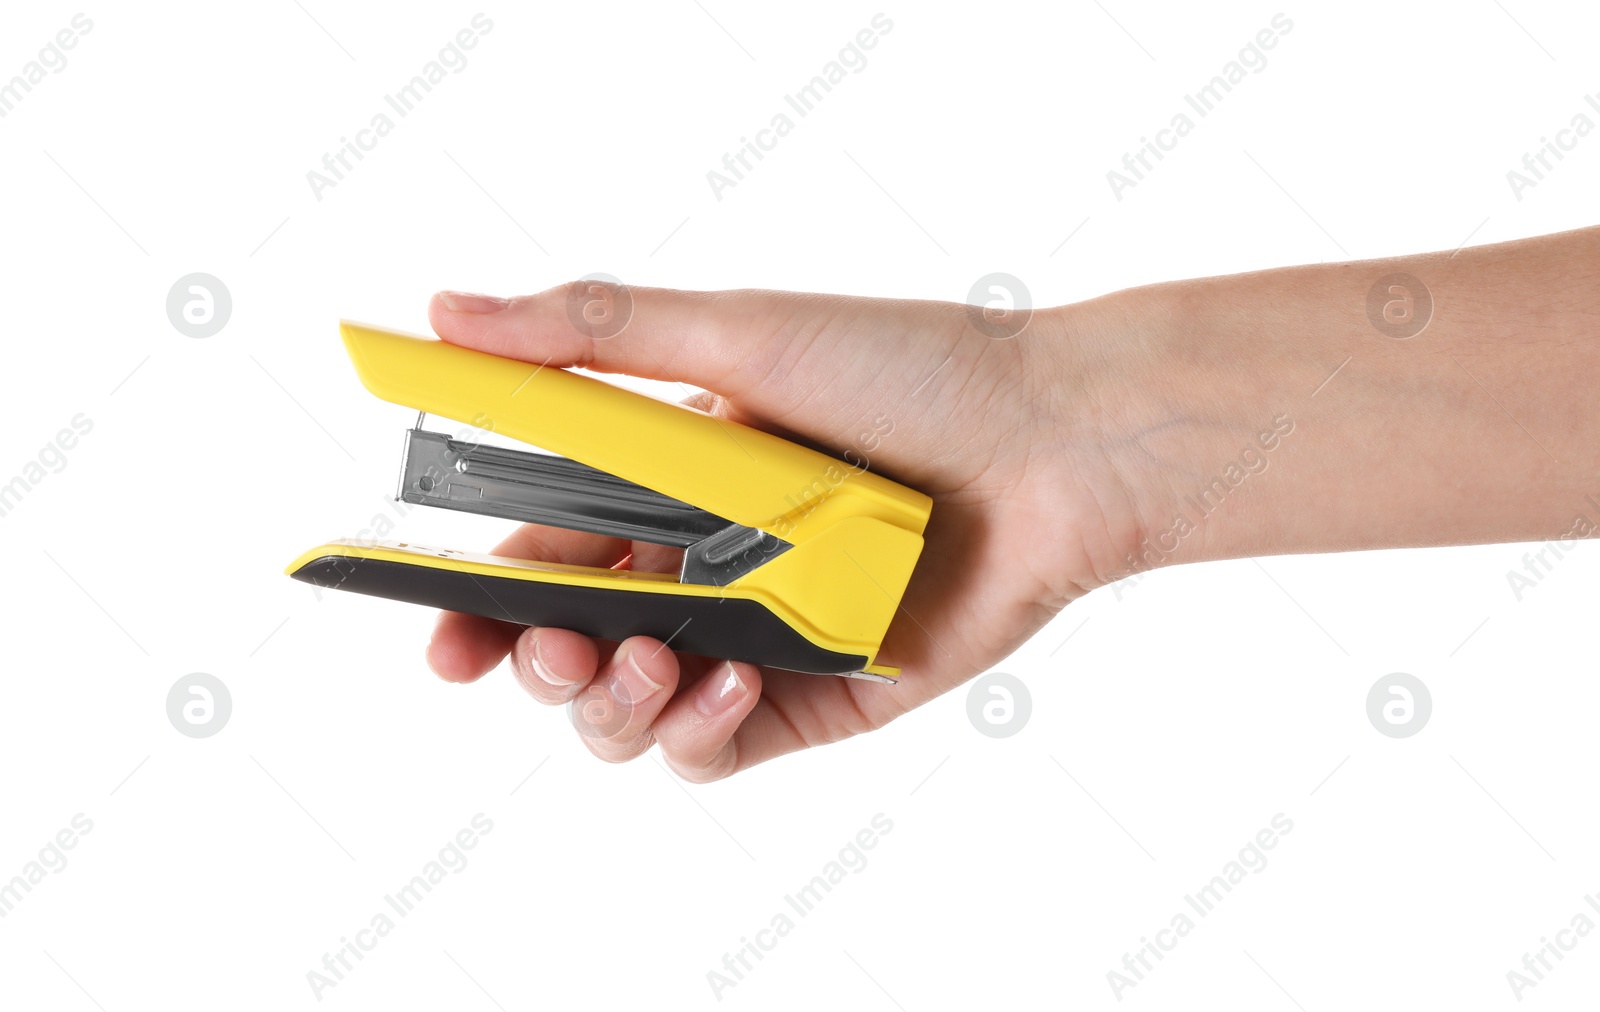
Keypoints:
pixel 1482 427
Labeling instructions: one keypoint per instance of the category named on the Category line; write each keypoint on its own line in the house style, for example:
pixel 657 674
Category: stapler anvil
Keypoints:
pixel 791 559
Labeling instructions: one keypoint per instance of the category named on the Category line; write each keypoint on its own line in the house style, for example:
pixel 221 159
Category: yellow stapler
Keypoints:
pixel 792 559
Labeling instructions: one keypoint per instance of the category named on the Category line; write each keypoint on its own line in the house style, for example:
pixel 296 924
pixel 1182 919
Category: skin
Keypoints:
pixel 1061 459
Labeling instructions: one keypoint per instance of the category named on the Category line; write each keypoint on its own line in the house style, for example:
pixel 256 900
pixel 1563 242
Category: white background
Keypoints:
pixel 1184 713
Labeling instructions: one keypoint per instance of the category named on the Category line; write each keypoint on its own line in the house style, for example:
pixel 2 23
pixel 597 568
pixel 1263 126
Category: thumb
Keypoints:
pixel 726 342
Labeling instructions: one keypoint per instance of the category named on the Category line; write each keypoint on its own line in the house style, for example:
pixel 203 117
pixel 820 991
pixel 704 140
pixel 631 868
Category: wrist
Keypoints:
pixel 1194 397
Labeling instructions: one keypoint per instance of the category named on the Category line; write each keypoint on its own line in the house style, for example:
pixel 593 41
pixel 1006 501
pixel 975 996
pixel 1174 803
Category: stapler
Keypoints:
pixel 791 559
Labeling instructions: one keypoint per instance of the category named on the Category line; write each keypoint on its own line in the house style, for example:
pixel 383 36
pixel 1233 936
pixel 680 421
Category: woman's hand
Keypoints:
pixel 1028 511
pixel 1257 414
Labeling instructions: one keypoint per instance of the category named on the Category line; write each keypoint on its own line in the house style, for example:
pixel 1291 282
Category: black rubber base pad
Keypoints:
pixel 731 628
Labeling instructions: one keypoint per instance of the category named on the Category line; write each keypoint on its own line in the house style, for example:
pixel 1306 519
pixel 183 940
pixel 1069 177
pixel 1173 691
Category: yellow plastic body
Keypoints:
pixel 856 535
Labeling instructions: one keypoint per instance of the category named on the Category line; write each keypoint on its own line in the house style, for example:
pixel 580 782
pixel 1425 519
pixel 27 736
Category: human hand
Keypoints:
pixel 1028 510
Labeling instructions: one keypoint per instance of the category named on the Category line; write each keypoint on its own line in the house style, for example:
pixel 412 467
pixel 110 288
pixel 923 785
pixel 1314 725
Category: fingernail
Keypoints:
pixel 471 302
pixel 542 668
pixel 633 685
pixel 720 692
